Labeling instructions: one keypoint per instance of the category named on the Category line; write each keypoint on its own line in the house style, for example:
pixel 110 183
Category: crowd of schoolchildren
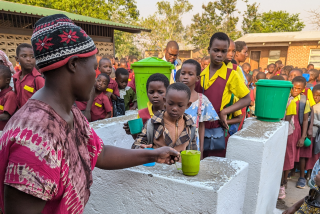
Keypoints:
pixel 210 97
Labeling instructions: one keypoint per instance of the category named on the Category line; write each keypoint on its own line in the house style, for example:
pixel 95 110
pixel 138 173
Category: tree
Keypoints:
pixel 165 24
pixel 217 16
pixel 280 21
pixel 251 19
pixel 315 18
pixel 124 11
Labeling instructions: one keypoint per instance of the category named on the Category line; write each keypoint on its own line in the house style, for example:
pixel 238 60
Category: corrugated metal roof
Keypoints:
pixel 281 37
pixel 41 11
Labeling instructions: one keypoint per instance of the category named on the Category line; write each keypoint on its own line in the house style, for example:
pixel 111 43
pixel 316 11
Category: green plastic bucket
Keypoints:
pixel 143 69
pixel 190 160
pixel 271 99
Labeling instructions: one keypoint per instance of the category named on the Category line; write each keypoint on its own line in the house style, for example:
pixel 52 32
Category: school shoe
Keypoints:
pixel 282 193
pixel 301 183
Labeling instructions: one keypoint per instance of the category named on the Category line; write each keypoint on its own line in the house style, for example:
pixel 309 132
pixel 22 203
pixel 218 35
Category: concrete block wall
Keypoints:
pixel 262 145
pixel 299 52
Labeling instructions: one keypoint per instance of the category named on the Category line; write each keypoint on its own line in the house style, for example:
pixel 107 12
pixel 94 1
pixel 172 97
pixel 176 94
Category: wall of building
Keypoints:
pixel 264 55
pixel 298 53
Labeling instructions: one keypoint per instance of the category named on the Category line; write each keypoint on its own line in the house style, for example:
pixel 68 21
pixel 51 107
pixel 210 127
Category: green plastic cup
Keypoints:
pixel 143 69
pixel 190 160
pixel 307 142
pixel 135 126
pixel 271 99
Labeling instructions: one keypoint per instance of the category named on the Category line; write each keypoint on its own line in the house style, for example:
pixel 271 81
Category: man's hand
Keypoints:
pixel 300 142
pixel 167 155
pixel 223 120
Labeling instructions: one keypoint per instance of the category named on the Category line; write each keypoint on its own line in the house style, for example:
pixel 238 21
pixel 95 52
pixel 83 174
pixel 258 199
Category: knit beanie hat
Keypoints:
pixel 56 39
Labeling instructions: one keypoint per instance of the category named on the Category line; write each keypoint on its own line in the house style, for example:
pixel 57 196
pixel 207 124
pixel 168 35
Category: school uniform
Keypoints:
pixel 99 109
pixel 292 151
pixel 8 103
pixel 129 97
pixel 29 84
pixel 113 88
pixel 218 90
pixel 239 70
pixel 146 113
pixel 309 95
pixel 132 84
pixel 316 125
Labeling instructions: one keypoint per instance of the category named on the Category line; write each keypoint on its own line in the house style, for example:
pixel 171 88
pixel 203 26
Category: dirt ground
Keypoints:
pixel 293 194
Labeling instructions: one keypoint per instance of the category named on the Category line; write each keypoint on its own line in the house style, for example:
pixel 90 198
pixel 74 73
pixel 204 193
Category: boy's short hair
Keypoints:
pixel 287 68
pixel 22 45
pixel 300 79
pixel 177 76
pixel 271 64
pixel 178 86
pixel 261 75
pixel 123 60
pixel 122 71
pixel 5 71
pixel 246 64
pixel 103 59
pixel 206 58
pixel 277 77
pixel 296 69
pixel 105 75
pixel 278 62
pixel 315 71
pixel 310 65
pixel 157 77
pixel 316 88
pixel 219 36
pixel 240 45
pixel 195 63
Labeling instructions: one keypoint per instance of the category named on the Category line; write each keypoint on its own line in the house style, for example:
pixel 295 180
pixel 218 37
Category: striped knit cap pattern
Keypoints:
pixel 56 39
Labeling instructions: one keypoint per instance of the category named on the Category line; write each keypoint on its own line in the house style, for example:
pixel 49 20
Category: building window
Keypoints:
pixel 274 55
pixel 315 57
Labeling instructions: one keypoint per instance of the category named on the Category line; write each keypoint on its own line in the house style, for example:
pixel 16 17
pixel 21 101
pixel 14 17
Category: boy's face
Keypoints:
pixel 176 103
pixel 231 52
pixel 242 55
pixel 310 67
pixel 26 59
pixel 218 51
pixel 254 74
pixel 123 65
pixel 246 69
pixel 188 75
pixel 105 66
pixel 316 96
pixel 205 63
pixel 3 81
pixel 101 83
pixel 122 81
pixel 293 74
pixel 156 93
pixel 312 75
pixel 297 88
pixel 84 78
pixel 271 69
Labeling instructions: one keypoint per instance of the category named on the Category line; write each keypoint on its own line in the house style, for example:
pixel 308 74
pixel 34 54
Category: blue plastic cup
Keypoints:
pixel 149 164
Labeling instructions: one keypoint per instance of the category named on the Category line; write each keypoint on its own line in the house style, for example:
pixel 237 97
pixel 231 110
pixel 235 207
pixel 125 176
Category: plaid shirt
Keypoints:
pixel 159 129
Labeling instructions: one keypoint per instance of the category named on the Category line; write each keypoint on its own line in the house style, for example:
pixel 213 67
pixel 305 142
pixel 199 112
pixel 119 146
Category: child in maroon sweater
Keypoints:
pixel 100 108
pixel 8 99
pixel 28 80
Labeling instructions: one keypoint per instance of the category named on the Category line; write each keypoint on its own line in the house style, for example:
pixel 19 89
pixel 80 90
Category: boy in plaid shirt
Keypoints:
pixel 171 127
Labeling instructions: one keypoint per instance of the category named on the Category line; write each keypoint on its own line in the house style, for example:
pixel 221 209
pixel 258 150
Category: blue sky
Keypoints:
pixel 148 7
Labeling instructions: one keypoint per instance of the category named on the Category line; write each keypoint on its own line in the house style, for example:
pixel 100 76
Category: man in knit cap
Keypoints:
pixel 48 150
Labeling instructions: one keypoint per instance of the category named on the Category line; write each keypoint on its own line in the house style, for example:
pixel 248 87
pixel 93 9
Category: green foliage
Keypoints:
pixel 251 19
pixel 272 21
pixel 280 21
pixel 124 11
pixel 165 24
pixel 217 16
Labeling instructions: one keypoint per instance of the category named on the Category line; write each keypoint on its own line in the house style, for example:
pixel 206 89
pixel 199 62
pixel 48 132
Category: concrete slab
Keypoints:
pixel 218 188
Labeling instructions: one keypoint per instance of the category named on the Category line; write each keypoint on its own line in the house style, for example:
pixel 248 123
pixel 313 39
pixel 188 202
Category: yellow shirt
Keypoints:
pixel 235 85
pixel 236 113
pixel 230 65
pixel 149 106
pixel 310 97
pixel 292 108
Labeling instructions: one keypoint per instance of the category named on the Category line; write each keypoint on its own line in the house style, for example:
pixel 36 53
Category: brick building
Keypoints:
pixel 17 21
pixel 292 48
